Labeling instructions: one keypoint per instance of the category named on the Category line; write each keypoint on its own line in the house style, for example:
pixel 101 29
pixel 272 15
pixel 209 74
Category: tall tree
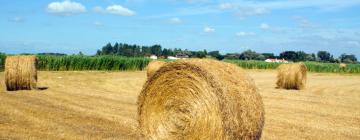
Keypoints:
pixel 324 56
pixel 249 55
pixel 107 49
pixel 289 55
pixel 348 58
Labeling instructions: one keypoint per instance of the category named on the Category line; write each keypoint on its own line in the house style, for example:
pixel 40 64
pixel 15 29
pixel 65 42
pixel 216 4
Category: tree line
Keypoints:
pixel 128 50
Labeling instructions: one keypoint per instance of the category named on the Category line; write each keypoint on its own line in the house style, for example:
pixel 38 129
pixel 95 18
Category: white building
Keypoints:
pixel 172 58
pixel 276 61
pixel 153 57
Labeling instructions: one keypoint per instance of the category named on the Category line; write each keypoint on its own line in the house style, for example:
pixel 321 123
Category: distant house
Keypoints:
pixel 153 57
pixel 182 56
pixel 172 58
pixel 276 61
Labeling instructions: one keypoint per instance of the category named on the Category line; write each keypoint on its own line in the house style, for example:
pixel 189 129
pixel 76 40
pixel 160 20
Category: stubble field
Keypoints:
pixel 102 105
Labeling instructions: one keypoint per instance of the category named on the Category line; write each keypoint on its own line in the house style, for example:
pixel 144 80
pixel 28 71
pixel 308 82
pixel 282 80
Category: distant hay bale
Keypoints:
pixel 291 76
pixel 342 65
pixel 20 73
pixel 153 67
pixel 200 99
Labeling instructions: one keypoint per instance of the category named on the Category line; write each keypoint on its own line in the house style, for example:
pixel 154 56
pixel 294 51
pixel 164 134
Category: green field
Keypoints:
pixel 78 63
pixel 119 63
pixel 312 66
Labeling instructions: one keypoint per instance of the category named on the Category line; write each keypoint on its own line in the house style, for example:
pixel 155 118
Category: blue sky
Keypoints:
pixel 225 25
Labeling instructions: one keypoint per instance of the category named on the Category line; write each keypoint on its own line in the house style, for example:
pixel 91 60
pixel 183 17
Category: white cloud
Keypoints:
pixel 208 29
pixel 66 8
pixel 114 9
pixel 175 20
pixel 264 26
pixel 119 10
pixel 243 34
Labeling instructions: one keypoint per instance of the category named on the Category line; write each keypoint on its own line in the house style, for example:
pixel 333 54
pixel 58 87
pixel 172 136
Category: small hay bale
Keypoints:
pixel 342 65
pixel 20 73
pixel 291 76
pixel 153 67
pixel 200 99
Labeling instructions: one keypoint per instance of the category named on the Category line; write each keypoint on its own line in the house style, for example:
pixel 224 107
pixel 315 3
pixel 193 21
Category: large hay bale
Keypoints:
pixel 153 67
pixel 200 99
pixel 292 76
pixel 20 73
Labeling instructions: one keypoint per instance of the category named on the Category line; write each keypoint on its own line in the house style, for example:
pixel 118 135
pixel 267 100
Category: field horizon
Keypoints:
pixel 102 105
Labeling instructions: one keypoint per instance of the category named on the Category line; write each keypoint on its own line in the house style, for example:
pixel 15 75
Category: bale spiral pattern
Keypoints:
pixel 200 99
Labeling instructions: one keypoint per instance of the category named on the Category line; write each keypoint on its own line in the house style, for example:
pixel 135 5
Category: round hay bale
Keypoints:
pixel 342 65
pixel 200 99
pixel 153 67
pixel 20 73
pixel 291 76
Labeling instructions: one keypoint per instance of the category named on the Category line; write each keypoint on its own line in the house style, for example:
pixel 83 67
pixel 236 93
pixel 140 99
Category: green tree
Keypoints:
pixel 300 56
pixel 107 49
pixel 324 56
pixel 289 55
pixel 348 58
pixel 115 48
pixel 248 55
pixel 156 50
pixel 310 57
pixel 268 55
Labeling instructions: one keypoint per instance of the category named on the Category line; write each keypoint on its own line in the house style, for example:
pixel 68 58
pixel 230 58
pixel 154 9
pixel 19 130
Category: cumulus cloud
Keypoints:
pixel 119 10
pixel 175 20
pixel 243 34
pixel 114 9
pixel 208 29
pixel 264 26
pixel 65 8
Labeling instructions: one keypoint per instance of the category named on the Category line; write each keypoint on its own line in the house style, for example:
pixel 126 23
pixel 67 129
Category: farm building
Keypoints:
pixel 276 61
pixel 154 57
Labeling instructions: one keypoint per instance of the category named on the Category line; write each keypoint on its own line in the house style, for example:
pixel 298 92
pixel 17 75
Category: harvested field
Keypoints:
pixel 102 105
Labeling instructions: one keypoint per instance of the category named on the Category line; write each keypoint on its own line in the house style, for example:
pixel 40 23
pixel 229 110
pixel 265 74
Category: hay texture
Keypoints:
pixel 200 99
pixel 291 76
pixel 342 65
pixel 153 67
pixel 20 73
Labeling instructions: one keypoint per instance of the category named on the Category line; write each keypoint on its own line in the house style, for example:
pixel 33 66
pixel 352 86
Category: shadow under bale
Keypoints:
pixel 291 76
pixel 20 73
pixel 200 99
